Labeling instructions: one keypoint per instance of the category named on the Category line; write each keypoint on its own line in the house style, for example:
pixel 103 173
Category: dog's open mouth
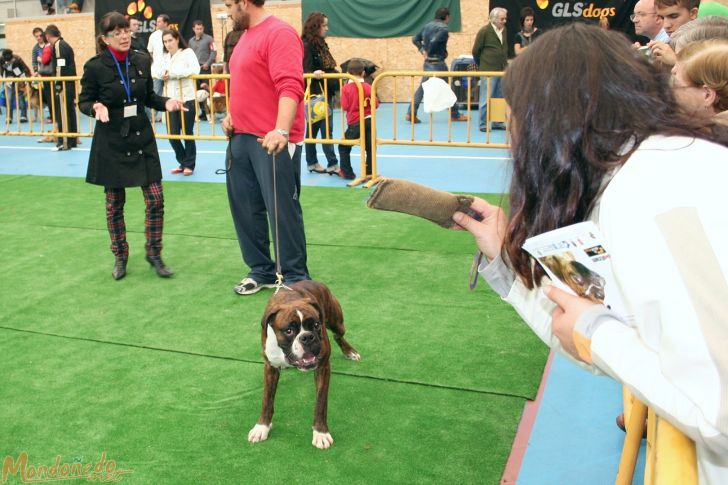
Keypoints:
pixel 307 362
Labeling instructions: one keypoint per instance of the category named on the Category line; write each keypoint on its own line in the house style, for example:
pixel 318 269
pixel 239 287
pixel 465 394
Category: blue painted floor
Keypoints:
pixel 574 439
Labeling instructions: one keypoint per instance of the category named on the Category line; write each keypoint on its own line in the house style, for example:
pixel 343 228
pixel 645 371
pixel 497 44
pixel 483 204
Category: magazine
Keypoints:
pixel 576 260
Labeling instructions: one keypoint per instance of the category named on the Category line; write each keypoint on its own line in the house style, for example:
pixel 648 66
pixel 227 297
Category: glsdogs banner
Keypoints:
pixel 181 12
pixel 377 19
pixel 552 13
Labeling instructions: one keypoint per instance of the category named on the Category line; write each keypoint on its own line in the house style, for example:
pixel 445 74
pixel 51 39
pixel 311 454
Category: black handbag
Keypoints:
pixel 45 69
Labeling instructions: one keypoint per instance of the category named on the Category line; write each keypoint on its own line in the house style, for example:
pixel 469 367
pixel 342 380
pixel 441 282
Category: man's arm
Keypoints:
pixel 478 45
pixel 418 41
pixel 213 53
pixel 150 44
pixel 274 142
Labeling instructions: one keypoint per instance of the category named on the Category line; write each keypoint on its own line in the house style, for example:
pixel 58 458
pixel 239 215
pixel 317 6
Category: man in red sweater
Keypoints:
pixel 266 129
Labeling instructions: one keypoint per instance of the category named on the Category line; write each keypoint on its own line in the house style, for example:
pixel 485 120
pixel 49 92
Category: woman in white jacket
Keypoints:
pixel 179 63
pixel 597 135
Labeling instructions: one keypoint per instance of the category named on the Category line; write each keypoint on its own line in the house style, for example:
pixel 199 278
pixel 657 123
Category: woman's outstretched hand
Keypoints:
pixel 489 231
pixel 175 105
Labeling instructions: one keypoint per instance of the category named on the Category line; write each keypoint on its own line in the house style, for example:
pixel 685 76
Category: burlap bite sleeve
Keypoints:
pixel 417 200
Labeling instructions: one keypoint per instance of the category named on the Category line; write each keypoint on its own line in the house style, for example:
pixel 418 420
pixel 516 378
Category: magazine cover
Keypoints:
pixel 576 260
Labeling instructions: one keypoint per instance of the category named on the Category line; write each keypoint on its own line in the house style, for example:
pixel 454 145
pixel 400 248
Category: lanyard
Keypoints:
pixel 124 81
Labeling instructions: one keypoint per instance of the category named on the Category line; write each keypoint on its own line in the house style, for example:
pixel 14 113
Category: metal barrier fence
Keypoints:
pixel 670 457
pixel 39 94
pixel 52 93
pixel 496 112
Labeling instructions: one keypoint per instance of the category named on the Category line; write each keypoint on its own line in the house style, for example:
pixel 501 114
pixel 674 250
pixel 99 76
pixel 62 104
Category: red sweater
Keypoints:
pixel 266 65
pixel 350 101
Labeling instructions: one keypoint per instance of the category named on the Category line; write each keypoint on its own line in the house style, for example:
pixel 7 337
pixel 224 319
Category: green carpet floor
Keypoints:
pixel 165 376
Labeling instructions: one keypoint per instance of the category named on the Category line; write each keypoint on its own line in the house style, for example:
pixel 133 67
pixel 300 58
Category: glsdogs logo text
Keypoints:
pixel 576 9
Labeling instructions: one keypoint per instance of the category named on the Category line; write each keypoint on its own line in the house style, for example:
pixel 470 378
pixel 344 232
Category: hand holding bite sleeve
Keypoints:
pixel 418 200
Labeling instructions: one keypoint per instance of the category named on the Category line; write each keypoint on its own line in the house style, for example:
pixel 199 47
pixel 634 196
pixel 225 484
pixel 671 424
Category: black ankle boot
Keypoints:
pixel 119 270
pixel 158 265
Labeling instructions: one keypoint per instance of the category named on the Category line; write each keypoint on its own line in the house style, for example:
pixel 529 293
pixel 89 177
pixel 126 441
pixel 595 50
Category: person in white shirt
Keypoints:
pixel 646 21
pixel 175 67
pixel 155 47
pixel 623 154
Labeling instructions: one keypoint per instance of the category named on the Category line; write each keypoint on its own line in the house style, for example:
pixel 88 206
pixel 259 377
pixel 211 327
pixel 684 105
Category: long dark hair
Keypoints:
pixel 311 34
pixel 181 42
pixel 581 102
pixel 311 31
pixel 108 23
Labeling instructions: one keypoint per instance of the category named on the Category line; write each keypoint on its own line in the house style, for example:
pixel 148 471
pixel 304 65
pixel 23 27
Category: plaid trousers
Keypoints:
pixel 153 222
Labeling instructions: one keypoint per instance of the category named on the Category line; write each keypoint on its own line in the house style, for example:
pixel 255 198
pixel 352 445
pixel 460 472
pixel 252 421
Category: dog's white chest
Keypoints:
pixel 273 352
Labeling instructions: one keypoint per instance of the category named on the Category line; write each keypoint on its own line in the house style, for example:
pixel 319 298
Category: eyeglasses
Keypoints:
pixel 641 14
pixel 118 33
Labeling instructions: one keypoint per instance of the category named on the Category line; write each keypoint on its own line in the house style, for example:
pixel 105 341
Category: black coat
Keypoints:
pixel 313 61
pixel 66 53
pixel 123 150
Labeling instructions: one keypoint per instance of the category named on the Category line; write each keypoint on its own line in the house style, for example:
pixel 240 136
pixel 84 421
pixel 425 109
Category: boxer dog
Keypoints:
pixel 294 335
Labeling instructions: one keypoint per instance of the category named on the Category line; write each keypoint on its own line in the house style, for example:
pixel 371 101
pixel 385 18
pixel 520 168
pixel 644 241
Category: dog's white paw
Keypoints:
pixel 259 433
pixel 322 440
pixel 352 355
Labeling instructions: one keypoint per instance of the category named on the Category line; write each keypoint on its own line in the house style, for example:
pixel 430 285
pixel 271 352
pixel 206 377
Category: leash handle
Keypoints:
pixel 279 272
pixel 473 279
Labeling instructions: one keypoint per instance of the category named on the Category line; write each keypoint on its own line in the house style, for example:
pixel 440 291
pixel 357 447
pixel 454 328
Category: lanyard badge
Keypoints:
pixel 130 109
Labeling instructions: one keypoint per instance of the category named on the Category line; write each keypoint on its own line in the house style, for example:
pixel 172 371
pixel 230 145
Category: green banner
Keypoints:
pixel 376 19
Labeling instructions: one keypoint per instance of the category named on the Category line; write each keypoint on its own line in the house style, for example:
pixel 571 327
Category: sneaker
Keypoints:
pixel 498 126
pixel 60 148
pixel 408 117
pixel 177 170
pixel 332 169
pixel 248 286
pixel 23 119
pixel 460 118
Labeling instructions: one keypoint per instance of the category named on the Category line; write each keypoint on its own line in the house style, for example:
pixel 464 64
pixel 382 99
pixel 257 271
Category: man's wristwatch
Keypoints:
pixel 282 132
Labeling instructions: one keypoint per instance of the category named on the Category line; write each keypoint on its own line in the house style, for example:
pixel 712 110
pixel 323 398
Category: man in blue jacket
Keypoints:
pixel 431 41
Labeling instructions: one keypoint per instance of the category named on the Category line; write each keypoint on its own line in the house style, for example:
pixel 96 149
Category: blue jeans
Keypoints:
pixel 316 128
pixel 11 102
pixel 185 151
pixel 495 92
pixel 431 66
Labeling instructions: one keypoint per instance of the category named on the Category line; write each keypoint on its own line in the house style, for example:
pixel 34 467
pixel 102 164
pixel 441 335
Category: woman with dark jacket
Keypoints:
pixel 115 87
pixel 317 59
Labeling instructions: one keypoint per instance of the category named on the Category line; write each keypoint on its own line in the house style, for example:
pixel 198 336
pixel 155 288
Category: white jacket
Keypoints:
pixel 664 217
pixel 180 67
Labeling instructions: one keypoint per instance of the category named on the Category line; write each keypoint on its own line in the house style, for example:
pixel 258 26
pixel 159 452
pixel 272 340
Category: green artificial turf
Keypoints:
pixel 165 375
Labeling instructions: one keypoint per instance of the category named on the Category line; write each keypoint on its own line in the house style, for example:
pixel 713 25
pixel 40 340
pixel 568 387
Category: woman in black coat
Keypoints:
pixel 317 59
pixel 115 87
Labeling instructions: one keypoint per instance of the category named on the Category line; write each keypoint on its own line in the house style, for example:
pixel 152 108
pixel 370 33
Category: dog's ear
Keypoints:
pixel 268 318
pixel 319 310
